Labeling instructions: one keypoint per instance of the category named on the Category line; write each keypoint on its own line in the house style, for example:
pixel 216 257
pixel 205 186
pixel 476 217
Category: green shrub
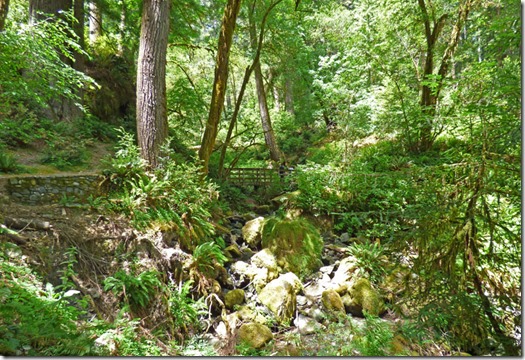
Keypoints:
pixel 65 152
pixel 18 124
pixel 375 338
pixel 8 163
pixel 371 258
pixel 184 310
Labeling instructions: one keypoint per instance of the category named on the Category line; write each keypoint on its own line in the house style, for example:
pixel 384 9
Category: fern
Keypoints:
pixel 137 290
pixel 206 254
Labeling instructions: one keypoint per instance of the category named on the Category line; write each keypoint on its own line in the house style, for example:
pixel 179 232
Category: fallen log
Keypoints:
pixel 24 224
pixel 13 235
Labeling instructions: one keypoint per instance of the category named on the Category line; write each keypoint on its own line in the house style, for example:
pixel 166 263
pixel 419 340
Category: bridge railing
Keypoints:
pixel 253 176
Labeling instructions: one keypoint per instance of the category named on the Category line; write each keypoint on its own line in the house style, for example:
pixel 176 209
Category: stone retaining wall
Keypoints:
pixel 49 189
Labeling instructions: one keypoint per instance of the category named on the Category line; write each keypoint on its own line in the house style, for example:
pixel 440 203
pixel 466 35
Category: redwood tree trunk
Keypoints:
pixel 152 122
pixel 220 82
pixel 4 9
pixel 95 22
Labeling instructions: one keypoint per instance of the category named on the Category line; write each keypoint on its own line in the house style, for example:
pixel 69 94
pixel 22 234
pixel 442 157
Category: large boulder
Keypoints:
pixel 254 334
pixel 279 296
pixel 251 232
pixel 296 244
pixel 363 297
pixel 332 302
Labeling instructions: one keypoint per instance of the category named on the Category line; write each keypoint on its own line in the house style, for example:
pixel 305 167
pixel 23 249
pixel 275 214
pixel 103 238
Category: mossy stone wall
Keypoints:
pixel 49 189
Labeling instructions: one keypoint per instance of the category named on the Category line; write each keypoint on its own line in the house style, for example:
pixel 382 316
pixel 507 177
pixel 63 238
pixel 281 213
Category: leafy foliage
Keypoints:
pixel 134 290
pixel 173 197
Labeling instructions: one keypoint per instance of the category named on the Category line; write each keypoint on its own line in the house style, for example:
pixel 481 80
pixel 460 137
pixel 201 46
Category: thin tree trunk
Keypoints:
pixel 288 96
pixel 245 80
pixel 95 22
pixel 152 122
pixel 275 91
pixel 121 48
pixel 4 10
pixel 269 136
pixel 220 82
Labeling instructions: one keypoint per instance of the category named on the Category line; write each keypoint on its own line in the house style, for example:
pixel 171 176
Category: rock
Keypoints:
pixel 234 297
pixel 296 244
pixel 314 290
pixel 249 315
pixel 345 271
pixel 222 330
pixel 364 298
pixel 251 232
pixel 302 301
pixel 306 325
pixel 254 334
pixel 345 238
pixel 327 269
pixel 233 251
pixel 265 259
pixel 314 312
pixel 294 281
pixel 279 296
pixel 107 340
pixel 262 209
pixel 222 276
pixel 332 302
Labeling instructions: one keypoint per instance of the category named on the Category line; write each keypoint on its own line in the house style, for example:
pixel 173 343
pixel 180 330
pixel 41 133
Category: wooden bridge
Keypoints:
pixel 253 177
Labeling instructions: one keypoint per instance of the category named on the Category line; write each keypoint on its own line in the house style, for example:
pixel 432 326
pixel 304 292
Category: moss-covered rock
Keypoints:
pixel 332 302
pixel 247 314
pixel 364 298
pixel 296 244
pixel 251 232
pixel 280 297
pixel 254 334
pixel 234 297
pixel 232 252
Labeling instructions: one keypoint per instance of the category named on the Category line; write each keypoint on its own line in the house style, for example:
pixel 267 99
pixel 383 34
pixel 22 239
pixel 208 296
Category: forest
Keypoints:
pixel 260 178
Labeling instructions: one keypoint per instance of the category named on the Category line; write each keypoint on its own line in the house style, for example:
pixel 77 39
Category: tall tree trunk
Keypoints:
pixel 247 74
pixel 62 109
pixel 220 82
pixel 430 93
pixel 4 9
pixel 95 22
pixel 53 7
pixel 269 136
pixel 152 121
